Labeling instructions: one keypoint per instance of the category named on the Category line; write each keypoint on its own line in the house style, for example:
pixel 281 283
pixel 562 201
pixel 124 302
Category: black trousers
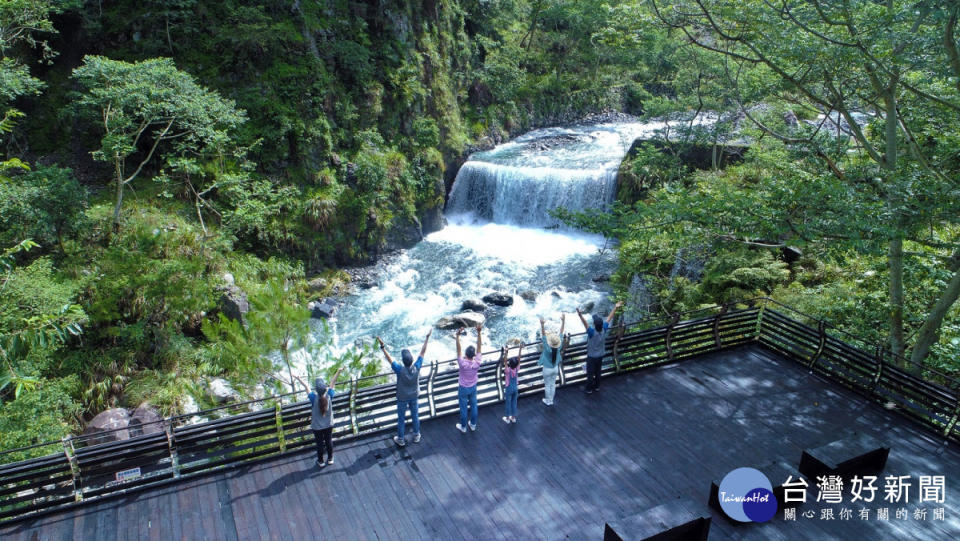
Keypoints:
pixel 324 438
pixel 594 366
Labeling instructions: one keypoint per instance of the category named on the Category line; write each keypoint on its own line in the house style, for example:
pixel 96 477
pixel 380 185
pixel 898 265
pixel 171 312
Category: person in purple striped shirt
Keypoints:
pixel 469 365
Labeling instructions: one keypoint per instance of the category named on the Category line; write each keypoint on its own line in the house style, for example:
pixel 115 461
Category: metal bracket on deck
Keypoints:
pixel 433 373
pixel 279 418
pixel 172 448
pixel 953 420
pixel 879 374
pixel 616 347
pixel 499 376
pixel 71 455
pixel 822 329
pixel 565 345
pixel 353 405
pixel 673 322
pixel 716 326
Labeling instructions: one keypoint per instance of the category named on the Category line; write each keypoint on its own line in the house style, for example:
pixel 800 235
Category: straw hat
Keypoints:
pixel 553 340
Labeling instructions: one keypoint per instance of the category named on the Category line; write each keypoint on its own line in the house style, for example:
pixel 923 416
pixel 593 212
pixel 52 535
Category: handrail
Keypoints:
pixel 183 451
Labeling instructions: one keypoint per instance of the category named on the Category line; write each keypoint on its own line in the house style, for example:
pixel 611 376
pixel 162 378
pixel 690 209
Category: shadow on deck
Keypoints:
pixel 649 437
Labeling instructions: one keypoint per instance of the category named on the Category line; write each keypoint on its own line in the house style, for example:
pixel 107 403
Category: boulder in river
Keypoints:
pixel 322 309
pixel 473 305
pixel 463 319
pixel 528 295
pixel 499 299
pixel 221 392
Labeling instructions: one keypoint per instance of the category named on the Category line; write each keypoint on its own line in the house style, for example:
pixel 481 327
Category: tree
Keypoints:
pixel 146 106
pixel 275 323
pixel 887 75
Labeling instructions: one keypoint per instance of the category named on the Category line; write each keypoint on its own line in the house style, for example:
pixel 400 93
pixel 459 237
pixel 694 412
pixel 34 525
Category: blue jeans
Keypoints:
pixel 511 394
pixel 467 395
pixel 402 406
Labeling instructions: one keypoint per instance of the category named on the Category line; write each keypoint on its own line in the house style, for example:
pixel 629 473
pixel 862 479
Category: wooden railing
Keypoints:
pixel 80 469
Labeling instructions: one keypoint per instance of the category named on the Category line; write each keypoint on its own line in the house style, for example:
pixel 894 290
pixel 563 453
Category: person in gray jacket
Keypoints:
pixel 596 347
pixel 321 416
pixel 408 389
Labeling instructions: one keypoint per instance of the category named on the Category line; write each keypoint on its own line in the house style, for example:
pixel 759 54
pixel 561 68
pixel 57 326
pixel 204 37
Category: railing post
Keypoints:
pixel 498 374
pixel 763 307
pixel 953 420
pixel 430 399
pixel 172 448
pixel 716 326
pixel 673 321
pixel 565 345
pixel 278 415
pixel 879 374
pixel 822 330
pixel 353 405
pixel 71 455
pixel 616 347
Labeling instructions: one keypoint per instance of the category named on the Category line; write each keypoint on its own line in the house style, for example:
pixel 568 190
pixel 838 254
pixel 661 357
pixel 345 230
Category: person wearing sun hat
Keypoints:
pixel 550 359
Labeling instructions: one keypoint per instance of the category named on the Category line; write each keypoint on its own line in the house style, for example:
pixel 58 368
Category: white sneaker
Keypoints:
pixel 472 426
pixel 398 441
pixel 416 438
pixel 461 428
pixel 506 419
pixel 544 400
pixel 513 420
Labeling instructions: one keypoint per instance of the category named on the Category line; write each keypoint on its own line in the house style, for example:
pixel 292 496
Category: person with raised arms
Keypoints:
pixel 408 388
pixel 596 347
pixel 511 391
pixel 550 358
pixel 321 416
pixel 468 366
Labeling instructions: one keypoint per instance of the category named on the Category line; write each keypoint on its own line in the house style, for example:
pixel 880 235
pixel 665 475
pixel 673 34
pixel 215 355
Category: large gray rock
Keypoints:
pixel 322 309
pixel 109 425
pixel 221 392
pixel 403 233
pixel 473 305
pixel 234 303
pixel 317 284
pixel 499 299
pixel 145 420
pixel 464 319
pixel 528 295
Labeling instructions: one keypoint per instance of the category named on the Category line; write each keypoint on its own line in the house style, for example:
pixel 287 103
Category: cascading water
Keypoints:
pixel 500 237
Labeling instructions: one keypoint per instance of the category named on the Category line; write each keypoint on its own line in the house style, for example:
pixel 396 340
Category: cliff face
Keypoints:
pixel 359 112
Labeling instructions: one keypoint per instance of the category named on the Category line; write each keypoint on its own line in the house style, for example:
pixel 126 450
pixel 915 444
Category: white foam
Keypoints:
pixel 517 245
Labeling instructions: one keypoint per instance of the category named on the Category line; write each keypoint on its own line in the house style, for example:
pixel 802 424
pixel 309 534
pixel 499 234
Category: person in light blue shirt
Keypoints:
pixel 408 388
pixel 550 358
pixel 321 417
pixel 596 347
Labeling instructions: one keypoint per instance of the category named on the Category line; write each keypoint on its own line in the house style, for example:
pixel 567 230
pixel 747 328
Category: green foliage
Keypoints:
pixel 151 103
pixel 46 414
pixel 45 205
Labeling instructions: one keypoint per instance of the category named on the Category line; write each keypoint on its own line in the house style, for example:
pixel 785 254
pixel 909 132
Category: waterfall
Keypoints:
pixel 525 196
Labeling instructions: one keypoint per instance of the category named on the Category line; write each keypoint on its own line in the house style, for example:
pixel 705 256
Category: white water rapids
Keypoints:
pixel 501 238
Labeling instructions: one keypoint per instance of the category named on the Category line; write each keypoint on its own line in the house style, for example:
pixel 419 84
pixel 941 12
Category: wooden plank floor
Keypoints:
pixel 559 473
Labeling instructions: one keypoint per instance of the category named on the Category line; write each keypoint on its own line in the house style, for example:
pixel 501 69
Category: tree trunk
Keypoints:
pixel 895 259
pixel 116 209
pixel 928 334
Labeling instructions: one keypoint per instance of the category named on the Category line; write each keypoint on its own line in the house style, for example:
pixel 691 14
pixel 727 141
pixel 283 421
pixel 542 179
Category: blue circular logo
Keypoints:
pixel 746 495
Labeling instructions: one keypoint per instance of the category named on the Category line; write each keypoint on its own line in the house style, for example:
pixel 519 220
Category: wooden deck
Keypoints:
pixel 559 473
